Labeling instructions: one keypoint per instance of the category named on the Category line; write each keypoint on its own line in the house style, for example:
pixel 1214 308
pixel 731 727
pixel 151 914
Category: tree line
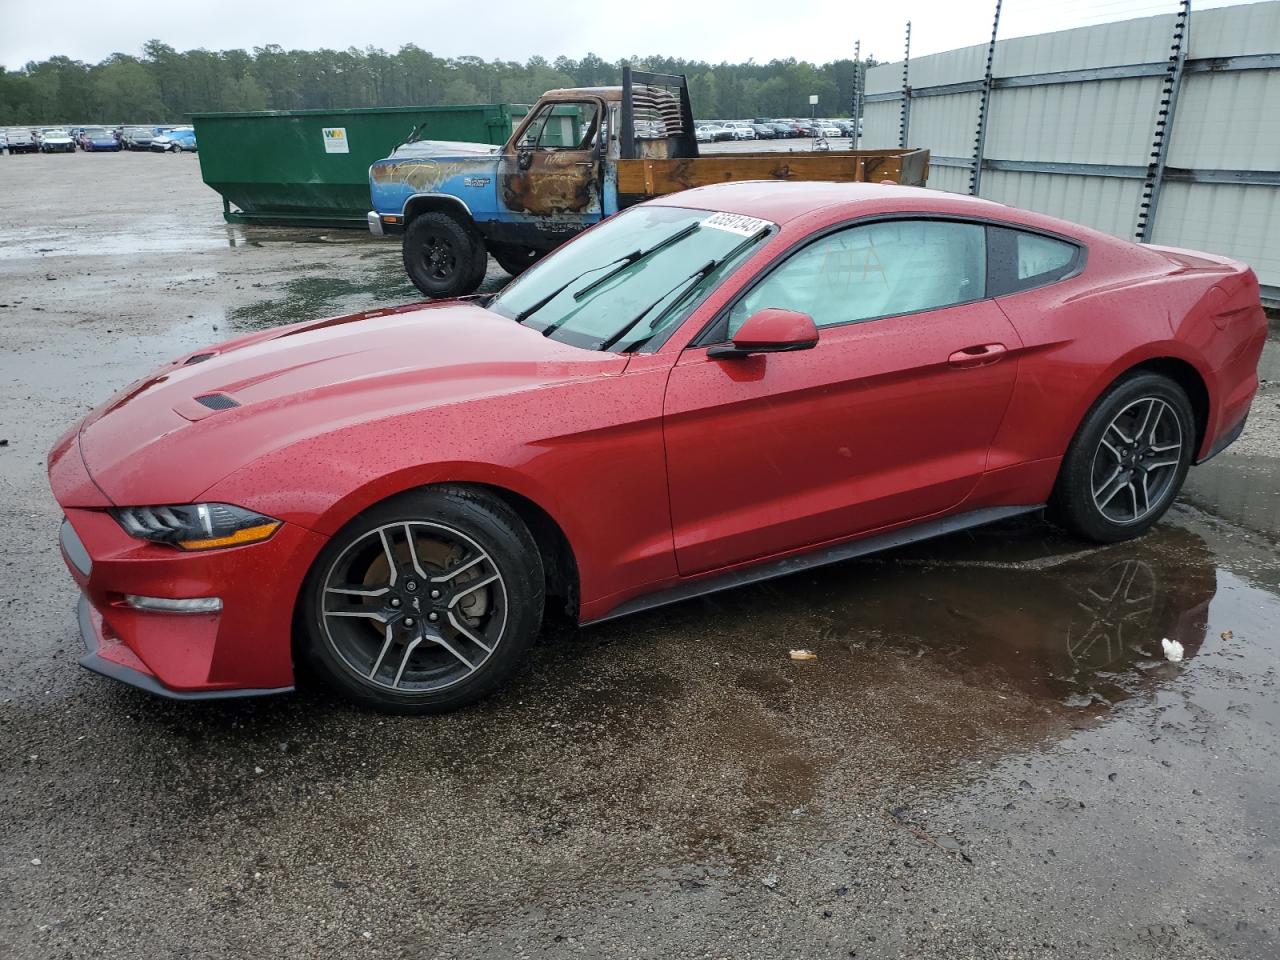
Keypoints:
pixel 167 85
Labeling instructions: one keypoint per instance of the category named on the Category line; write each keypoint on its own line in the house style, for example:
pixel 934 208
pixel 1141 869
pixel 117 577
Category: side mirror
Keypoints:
pixel 524 158
pixel 771 330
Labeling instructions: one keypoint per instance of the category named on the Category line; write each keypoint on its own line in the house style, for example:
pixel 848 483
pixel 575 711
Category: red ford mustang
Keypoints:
pixel 709 389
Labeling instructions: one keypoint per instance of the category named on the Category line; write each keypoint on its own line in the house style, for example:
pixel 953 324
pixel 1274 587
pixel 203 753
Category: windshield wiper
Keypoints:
pixel 699 274
pixel 638 255
pixel 621 263
pixel 683 287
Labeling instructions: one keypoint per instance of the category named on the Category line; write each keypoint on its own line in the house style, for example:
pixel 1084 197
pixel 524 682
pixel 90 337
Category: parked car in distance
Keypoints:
pixel 22 140
pixel 137 138
pixel 56 140
pixel 825 128
pixel 740 130
pixel 908 363
pixel 4 140
pixel 176 140
pixel 95 139
pixel 711 132
pixel 764 131
pixel 782 131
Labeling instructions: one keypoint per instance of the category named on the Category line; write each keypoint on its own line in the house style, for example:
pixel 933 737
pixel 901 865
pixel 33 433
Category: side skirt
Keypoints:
pixel 847 550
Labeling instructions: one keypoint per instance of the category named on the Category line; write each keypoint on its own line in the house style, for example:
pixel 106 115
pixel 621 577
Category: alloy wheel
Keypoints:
pixel 1137 460
pixel 414 606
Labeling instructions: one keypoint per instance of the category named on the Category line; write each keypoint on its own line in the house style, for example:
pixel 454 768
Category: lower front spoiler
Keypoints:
pixel 94 660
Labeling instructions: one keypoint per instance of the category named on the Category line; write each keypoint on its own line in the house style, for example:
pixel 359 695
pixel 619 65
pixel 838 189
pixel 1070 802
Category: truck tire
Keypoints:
pixel 515 260
pixel 443 257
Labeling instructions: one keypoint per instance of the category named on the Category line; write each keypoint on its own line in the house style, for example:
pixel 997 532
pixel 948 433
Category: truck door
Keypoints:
pixel 549 174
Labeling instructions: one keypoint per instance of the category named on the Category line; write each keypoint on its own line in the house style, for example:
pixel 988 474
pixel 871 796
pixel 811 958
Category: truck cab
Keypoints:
pixel 580 155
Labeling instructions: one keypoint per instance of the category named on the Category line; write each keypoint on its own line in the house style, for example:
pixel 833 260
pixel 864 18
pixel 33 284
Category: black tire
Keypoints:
pixel 443 257
pixel 1119 475
pixel 467 651
pixel 515 260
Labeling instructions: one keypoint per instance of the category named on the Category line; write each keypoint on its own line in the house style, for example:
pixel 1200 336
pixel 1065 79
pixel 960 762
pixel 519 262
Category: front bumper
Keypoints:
pixel 384 224
pixel 243 650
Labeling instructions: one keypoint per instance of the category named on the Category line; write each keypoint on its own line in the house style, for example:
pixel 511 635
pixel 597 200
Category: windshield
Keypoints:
pixel 138 131
pixel 633 277
pixel 55 133
pixel 94 132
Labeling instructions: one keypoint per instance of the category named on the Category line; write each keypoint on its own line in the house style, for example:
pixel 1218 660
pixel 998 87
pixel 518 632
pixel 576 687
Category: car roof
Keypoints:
pixel 783 201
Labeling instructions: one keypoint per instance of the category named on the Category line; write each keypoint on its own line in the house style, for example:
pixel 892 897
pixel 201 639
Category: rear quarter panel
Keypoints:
pixel 1129 305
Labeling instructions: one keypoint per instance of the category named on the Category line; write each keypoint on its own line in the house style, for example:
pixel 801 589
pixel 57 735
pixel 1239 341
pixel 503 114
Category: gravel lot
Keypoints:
pixel 989 758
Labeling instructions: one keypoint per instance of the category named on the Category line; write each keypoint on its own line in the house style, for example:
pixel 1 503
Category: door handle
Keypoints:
pixel 979 356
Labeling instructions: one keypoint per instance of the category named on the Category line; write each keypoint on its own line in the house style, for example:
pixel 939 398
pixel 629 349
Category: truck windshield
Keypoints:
pixel 631 278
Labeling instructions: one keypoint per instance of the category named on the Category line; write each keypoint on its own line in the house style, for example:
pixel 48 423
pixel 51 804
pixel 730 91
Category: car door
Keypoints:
pixel 549 172
pixel 888 419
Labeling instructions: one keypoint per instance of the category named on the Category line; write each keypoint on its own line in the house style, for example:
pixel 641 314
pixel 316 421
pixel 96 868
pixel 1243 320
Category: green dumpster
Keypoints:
pixel 311 167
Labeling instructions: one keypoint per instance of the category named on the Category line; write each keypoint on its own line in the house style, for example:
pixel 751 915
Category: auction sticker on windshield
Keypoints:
pixel 736 223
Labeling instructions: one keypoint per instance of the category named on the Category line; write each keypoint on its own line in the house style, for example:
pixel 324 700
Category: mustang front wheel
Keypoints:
pixel 1127 461
pixel 425 602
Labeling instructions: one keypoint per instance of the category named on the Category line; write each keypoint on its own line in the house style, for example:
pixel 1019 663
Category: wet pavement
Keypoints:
pixel 989 757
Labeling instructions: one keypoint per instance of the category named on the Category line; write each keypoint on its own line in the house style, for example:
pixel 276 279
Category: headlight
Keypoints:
pixel 196 526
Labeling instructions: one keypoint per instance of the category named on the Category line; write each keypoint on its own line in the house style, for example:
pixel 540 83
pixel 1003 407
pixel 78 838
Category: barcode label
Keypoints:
pixel 736 223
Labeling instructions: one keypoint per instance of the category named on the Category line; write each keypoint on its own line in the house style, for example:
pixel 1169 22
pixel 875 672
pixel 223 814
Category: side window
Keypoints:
pixel 561 126
pixel 876 270
pixel 1021 260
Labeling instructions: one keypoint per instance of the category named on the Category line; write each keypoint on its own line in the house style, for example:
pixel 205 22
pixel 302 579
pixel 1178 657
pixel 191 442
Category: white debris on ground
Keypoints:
pixel 1172 650
pixel 803 655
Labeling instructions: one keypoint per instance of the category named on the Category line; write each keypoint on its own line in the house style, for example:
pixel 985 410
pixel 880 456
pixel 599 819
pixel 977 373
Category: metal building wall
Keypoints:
pixel 1222 188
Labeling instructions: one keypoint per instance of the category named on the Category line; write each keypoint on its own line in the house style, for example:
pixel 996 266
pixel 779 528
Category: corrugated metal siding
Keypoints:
pixel 951 179
pixel 1228 121
pixel 1105 122
pixel 1237 221
pixel 949 121
pixel 1104 203
pixel 1224 121
pixel 880 125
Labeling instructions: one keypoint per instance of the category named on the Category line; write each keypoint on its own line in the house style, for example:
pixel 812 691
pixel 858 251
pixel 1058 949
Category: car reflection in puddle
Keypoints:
pixel 1054 618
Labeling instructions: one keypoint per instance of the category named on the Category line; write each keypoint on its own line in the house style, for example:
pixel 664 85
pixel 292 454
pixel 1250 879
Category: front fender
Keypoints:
pixel 470 181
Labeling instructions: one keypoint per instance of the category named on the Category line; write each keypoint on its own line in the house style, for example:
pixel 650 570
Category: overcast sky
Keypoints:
pixel 712 30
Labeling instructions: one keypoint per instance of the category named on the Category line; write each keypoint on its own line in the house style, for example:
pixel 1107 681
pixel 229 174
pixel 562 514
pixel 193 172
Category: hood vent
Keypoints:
pixel 216 401
pixel 196 358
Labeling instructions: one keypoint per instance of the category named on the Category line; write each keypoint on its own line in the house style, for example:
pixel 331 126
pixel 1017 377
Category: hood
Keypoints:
pixel 172 435
pixel 442 149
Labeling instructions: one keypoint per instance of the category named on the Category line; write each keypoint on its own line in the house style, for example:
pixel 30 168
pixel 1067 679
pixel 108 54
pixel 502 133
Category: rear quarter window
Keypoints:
pixel 1021 260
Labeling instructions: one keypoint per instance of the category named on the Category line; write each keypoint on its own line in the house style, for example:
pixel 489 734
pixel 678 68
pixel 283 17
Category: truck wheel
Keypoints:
pixel 442 257
pixel 515 260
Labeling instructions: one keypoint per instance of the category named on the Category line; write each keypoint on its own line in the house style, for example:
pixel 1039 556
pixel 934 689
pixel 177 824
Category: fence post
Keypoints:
pixel 856 106
pixel 984 102
pixel 904 122
pixel 1164 124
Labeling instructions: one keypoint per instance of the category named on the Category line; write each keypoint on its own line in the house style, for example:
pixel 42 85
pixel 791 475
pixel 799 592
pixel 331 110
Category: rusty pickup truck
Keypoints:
pixel 580 155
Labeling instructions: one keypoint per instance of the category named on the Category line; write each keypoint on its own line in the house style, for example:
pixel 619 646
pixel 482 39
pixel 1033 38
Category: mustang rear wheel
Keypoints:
pixel 442 256
pixel 425 602
pixel 1127 461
